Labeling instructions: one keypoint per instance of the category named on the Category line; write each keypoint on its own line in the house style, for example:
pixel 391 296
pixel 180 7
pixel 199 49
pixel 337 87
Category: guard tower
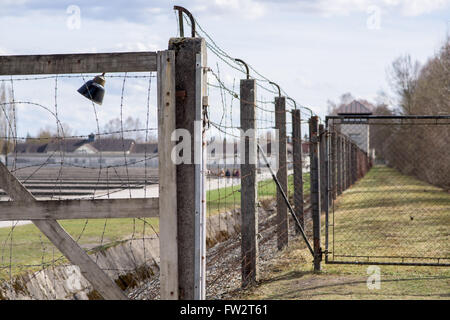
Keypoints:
pixel 356 128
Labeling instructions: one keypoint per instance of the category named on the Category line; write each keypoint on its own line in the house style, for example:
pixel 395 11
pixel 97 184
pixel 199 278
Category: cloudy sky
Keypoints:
pixel 315 50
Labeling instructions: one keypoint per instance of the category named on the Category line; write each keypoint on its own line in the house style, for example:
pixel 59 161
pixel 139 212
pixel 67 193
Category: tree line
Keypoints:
pixel 419 148
pixel 416 148
pixel 130 128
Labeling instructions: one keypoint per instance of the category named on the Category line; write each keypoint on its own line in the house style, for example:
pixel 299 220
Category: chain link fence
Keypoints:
pixel 399 211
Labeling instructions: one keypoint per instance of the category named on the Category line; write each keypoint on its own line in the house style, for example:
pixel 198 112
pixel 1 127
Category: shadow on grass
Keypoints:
pixel 389 202
pixel 354 282
pixel 407 191
pixel 288 276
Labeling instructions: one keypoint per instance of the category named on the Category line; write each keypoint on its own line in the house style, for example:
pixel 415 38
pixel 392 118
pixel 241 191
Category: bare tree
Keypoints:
pixel 344 99
pixel 402 77
pixel 419 150
pixel 131 128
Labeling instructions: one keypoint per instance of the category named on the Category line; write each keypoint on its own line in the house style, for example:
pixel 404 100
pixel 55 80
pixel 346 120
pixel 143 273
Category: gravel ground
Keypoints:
pixel 223 272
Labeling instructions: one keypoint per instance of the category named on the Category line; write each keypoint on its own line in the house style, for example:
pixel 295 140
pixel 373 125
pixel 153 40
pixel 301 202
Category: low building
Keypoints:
pixel 89 152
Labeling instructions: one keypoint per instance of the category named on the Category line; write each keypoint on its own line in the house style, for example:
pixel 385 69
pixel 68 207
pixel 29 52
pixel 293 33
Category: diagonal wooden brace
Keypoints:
pixel 62 240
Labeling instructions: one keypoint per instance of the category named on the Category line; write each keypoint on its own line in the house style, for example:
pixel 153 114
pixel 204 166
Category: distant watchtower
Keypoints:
pixel 356 128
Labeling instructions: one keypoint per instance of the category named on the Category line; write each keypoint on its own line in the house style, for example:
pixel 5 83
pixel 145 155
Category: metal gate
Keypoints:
pixel 388 191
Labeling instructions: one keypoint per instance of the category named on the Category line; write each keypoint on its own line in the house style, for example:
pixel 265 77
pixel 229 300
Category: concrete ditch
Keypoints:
pixel 129 263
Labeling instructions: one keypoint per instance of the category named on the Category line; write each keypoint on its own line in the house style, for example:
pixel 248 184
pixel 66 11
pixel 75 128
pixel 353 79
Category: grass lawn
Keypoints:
pixel 388 214
pixel 229 198
pixel 388 200
pixel 29 249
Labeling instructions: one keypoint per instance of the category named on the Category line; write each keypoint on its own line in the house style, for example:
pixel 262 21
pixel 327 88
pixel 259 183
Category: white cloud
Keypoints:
pixel 345 7
pixel 136 46
pixel 418 7
pixel 247 9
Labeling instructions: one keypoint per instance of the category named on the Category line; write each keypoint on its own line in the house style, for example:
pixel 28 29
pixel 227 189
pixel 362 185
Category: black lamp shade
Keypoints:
pixel 93 90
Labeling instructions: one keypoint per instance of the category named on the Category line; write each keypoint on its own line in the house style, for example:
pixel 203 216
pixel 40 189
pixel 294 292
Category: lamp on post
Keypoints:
pixel 94 89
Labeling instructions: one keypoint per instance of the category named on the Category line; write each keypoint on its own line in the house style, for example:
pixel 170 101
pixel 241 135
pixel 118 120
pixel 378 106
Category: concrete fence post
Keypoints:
pixel 315 189
pixel 190 86
pixel 282 217
pixel 298 167
pixel 249 213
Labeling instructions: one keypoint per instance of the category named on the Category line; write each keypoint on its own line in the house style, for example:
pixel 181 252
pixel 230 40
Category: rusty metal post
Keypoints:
pixel 349 162
pixel 344 163
pixel 333 163
pixel 354 163
pixel 339 163
pixel 327 197
pixel 322 165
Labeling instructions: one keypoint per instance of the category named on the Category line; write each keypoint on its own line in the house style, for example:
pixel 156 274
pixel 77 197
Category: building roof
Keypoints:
pixel 145 148
pixel 71 145
pixel 113 145
pixel 355 107
pixel 65 145
pixel 29 147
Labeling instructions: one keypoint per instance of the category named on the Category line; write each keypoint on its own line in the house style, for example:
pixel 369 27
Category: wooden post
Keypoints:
pixel 62 240
pixel 282 217
pixel 298 167
pixel 339 163
pixel 249 213
pixel 315 189
pixel 190 89
pixel 167 176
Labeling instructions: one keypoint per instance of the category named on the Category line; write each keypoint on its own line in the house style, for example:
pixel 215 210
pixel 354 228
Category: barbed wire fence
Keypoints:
pixel 60 173
pixel 58 166
pixel 225 260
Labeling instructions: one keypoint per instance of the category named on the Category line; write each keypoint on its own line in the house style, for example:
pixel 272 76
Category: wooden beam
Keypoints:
pixel 78 63
pixel 167 176
pixel 62 240
pixel 79 209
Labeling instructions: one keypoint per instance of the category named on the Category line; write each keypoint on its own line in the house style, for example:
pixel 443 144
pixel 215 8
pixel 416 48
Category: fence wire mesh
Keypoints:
pixel 61 146
pixel 399 211
pixel 225 259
